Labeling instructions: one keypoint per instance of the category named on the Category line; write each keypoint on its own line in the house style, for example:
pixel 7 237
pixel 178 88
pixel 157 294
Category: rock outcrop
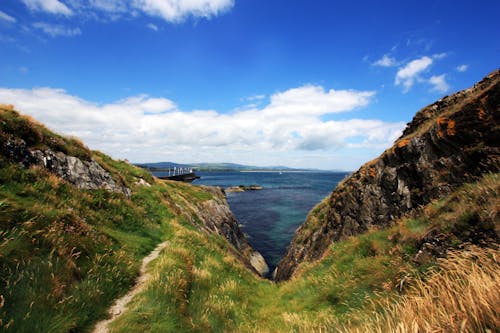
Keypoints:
pixel 22 140
pixel 244 188
pixel 217 217
pixel 448 143
pixel 83 174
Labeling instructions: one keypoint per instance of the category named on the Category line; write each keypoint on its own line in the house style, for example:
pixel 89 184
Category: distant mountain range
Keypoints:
pixel 160 166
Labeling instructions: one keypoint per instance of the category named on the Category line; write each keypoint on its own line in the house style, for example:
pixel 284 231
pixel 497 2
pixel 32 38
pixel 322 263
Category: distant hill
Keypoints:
pixel 159 166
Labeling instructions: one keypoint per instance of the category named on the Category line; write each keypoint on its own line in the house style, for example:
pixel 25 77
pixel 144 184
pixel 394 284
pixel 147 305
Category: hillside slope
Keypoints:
pixel 450 142
pixel 75 223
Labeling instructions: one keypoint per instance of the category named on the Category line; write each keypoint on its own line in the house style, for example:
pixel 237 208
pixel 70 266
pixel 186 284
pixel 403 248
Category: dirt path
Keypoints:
pixel 121 303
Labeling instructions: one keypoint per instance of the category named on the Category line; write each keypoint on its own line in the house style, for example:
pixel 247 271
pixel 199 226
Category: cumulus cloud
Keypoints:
pixel 49 6
pixel 462 68
pixel 407 75
pixel 178 10
pixel 142 128
pixel 439 83
pixel 7 18
pixel 385 61
pixel 314 100
pixel 55 30
pixel 173 11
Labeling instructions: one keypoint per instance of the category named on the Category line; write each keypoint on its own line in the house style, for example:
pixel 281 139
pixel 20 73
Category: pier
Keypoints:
pixel 180 174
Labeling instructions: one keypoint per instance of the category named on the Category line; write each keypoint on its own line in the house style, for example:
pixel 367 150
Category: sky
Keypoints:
pixel 312 84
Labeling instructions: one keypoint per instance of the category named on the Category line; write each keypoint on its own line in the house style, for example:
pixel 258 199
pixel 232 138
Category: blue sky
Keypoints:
pixel 325 84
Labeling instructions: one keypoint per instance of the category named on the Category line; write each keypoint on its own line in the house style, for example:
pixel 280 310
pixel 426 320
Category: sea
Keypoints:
pixel 269 217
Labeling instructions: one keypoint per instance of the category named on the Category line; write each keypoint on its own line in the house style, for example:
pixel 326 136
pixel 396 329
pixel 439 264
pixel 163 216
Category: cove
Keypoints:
pixel 269 217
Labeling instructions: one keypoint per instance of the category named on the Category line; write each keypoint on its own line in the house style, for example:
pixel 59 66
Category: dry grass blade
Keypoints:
pixel 463 295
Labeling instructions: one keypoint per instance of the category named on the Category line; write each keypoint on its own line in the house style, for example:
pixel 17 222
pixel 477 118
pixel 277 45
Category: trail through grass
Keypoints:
pixel 121 303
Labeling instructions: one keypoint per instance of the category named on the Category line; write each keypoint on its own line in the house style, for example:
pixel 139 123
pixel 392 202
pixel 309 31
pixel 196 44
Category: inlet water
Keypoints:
pixel 269 217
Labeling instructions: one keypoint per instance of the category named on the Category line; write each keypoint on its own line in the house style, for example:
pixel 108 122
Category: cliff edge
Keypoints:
pixel 450 142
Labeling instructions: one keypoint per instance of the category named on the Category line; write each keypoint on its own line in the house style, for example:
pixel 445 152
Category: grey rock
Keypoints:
pixel 82 174
pixel 216 217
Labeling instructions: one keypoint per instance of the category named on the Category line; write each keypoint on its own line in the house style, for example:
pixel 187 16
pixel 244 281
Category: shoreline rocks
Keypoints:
pixel 243 188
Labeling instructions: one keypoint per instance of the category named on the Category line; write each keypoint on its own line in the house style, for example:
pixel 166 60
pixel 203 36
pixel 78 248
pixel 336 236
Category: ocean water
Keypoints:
pixel 269 217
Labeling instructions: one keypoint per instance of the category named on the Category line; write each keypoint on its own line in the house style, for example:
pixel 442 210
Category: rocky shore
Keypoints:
pixel 243 188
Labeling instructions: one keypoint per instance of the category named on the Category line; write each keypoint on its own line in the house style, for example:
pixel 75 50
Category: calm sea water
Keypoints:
pixel 270 216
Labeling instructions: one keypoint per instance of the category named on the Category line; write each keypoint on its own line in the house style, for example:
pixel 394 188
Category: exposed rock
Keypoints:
pixel 217 217
pixel 244 188
pixel 448 143
pixel 259 263
pixel 16 149
pixel 83 174
pixel 142 182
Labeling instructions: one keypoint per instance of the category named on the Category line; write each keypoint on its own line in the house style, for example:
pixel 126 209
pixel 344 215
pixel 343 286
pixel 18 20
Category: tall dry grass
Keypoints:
pixel 463 295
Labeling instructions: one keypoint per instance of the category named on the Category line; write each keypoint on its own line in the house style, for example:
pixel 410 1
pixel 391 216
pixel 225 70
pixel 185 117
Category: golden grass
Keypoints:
pixel 463 295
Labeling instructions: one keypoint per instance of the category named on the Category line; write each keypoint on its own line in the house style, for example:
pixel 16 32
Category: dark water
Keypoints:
pixel 270 216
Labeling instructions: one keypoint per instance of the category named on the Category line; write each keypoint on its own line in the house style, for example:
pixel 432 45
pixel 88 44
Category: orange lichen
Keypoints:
pixel 403 142
pixel 362 172
pixel 450 129
pixel 373 172
pixel 441 122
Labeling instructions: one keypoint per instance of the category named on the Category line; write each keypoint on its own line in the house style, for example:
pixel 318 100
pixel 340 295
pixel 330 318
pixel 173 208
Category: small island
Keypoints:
pixel 243 188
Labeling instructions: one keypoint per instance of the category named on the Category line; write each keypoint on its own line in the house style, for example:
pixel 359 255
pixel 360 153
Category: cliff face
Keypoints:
pixel 217 217
pixel 453 141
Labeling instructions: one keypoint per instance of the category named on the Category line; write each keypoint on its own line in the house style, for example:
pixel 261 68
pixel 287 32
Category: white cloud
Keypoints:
pixel 152 26
pixel 462 68
pixel 55 30
pixel 439 83
pixel 174 11
pixel 115 6
pixel 407 75
pixel 385 61
pixel 178 10
pixel 7 18
pixel 439 56
pixel 314 100
pixel 254 98
pixel 49 6
pixel 142 128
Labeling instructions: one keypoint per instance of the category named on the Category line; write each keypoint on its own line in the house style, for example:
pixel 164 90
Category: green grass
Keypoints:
pixel 67 253
pixel 198 286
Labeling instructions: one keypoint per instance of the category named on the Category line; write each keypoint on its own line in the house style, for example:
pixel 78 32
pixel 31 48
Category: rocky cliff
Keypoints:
pixel 450 142
pixel 217 217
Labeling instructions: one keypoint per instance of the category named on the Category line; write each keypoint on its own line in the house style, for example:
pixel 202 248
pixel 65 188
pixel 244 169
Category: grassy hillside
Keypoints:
pixel 66 253
pixel 196 289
